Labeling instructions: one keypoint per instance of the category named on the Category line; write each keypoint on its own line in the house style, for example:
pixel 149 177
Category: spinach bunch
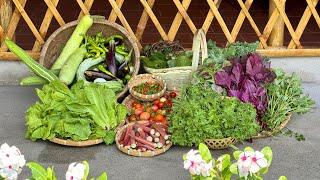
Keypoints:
pixel 285 95
pixel 201 113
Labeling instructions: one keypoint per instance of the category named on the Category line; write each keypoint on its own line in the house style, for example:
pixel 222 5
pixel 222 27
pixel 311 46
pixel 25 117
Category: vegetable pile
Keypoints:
pixel 148 88
pixel 156 111
pixel 164 54
pixel 144 136
pixel 80 113
pixel 201 113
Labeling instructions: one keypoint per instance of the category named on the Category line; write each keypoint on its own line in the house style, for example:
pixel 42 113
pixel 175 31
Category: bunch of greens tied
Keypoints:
pixel 79 113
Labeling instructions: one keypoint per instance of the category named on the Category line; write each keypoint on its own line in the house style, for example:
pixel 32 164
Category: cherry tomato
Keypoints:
pixel 138 106
pixel 166 96
pixel 156 102
pixel 173 94
pixel 132 118
pixel 169 103
pixel 160 105
pixel 155 108
pixel 159 118
pixel 138 111
pixel 145 116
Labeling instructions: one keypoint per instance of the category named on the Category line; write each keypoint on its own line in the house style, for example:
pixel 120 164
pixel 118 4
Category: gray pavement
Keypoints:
pixel 296 160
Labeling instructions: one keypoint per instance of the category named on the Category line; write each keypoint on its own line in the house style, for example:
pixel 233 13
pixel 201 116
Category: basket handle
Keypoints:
pixel 98 18
pixel 199 44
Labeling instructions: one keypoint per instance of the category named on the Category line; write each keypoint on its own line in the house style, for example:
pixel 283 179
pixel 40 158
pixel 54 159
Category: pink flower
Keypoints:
pixel 244 163
pixel 251 162
pixel 258 161
pixel 205 168
pixel 192 162
pixel 76 171
pixel 11 161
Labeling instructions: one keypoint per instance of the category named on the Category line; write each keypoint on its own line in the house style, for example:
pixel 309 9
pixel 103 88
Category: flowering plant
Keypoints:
pixel 11 162
pixel 250 164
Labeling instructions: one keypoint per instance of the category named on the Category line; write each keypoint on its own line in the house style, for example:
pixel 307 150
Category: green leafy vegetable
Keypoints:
pixel 201 113
pixel 80 113
pixel 38 172
pixel 285 95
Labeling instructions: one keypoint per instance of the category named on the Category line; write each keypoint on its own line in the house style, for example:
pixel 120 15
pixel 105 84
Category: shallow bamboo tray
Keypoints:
pixel 143 78
pixel 136 152
pixel 265 134
pixel 220 143
pixel 69 142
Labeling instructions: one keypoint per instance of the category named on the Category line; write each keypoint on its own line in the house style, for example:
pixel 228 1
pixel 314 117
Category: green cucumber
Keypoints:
pixel 37 68
pixel 74 41
pixel 36 80
pixel 69 69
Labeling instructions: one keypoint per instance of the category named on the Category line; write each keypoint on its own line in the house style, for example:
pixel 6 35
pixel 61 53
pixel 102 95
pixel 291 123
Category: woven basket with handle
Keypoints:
pixel 55 43
pixel 176 77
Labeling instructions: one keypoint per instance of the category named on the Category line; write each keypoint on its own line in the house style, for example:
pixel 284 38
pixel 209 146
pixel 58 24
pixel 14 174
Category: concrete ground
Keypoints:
pixel 296 160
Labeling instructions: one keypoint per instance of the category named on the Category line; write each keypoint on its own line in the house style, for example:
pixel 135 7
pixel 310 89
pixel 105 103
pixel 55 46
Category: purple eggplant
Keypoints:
pixel 95 74
pixel 124 69
pixel 111 59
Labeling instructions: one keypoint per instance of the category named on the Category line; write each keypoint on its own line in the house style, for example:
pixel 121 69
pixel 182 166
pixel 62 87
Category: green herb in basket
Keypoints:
pixel 148 88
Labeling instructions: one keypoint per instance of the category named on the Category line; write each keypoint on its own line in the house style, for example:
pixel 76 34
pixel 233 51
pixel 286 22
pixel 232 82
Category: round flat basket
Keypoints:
pixel 220 143
pixel 264 134
pixel 55 43
pixel 136 152
pixel 68 142
pixel 143 78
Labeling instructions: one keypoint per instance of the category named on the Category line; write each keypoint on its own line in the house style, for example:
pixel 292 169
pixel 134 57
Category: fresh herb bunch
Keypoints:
pixel 201 113
pixel 285 95
pixel 79 113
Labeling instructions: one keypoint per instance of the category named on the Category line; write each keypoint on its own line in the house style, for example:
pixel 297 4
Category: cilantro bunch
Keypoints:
pixel 201 113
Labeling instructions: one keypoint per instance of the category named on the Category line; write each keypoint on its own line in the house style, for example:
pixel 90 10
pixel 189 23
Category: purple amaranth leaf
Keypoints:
pixel 222 78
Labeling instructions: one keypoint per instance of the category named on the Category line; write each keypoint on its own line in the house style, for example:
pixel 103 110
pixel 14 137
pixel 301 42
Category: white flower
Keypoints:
pixel 258 161
pixel 219 164
pixel 11 161
pixel 193 161
pixel 244 163
pixel 75 171
pixel 205 168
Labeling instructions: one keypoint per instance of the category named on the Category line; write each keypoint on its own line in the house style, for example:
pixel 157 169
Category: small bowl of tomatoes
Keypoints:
pixel 147 87
pixel 154 111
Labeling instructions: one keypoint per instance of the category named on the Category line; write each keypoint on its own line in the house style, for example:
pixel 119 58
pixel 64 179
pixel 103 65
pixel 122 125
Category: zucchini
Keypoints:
pixel 37 68
pixel 36 80
pixel 74 42
pixel 69 69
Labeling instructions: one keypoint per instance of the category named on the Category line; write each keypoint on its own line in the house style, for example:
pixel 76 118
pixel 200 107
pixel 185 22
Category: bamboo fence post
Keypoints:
pixel 185 16
pixel 210 17
pixel 177 21
pixel 241 17
pixel 83 7
pixel 143 21
pixel 113 15
pixel 277 34
pixel 88 5
pixel 5 16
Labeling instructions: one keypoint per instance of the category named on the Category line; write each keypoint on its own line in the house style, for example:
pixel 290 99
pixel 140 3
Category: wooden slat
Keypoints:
pixel 279 4
pixel 253 24
pixel 290 52
pixel 154 20
pixel 83 7
pixel 28 21
pixel 9 56
pixel 113 15
pixel 210 17
pixel 123 19
pixel 221 22
pixel 88 5
pixel 55 12
pixel 270 24
pixel 44 26
pixel 185 16
pixel 1 32
pixel 314 12
pixel 302 24
pixel 143 21
pixel 13 25
pixel 177 21
pixel 241 17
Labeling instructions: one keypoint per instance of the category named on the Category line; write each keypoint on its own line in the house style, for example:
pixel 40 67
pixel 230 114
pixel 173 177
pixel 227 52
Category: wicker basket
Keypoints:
pixel 220 143
pixel 136 152
pixel 142 78
pixel 178 76
pixel 68 142
pixel 58 39
pixel 265 134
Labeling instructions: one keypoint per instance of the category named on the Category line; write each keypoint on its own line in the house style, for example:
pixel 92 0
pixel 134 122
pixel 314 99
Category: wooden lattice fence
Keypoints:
pixel 12 15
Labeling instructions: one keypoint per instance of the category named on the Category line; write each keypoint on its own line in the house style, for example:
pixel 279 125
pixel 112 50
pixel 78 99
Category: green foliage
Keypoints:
pixel 38 172
pixel 80 113
pixel 285 95
pixel 201 113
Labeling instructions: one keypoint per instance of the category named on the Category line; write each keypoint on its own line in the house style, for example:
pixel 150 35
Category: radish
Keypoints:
pixel 149 138
pixel 126 136
pixel 157 134
pixel 152 131
pixel 156 140
pixel 159 129
pixel 143 141
pixel 145 128
pixel 161 140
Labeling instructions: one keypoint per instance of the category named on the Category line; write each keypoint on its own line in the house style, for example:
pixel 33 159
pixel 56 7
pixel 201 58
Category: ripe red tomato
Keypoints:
pixel 160 105
pixel 155 108
pixel 159 118
pixel 145 116
pixel 138 111
pixel 156 102
pixel 173 94
pixel 138 106
pixel 166 96
pixel 169 103
pixel 132 118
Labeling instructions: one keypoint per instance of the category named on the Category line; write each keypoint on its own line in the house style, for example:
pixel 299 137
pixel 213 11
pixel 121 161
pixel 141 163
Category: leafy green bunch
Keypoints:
pixel 201 113
pixel 80 113
pixel 285 95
